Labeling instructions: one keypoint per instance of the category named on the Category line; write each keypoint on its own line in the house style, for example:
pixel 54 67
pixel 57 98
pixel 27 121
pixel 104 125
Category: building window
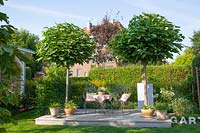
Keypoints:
pixel 85 74
pixel 78 72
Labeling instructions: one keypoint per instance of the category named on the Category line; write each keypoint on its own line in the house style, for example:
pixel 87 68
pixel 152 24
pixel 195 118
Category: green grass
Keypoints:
pixel 26 125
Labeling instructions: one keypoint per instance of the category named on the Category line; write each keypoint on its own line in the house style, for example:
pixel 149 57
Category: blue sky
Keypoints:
pixel 34 15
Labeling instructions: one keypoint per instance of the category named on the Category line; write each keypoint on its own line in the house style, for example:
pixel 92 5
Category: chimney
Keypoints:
pixel 89 25
pixel 113 21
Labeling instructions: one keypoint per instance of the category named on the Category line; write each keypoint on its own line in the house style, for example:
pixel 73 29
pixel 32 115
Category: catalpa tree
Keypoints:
pixel 149 38
pixel 65 44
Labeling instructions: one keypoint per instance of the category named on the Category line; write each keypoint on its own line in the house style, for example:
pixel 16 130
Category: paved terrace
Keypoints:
pixel 130 118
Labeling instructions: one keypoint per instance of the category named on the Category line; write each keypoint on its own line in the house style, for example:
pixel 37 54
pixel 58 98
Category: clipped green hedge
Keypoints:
pixel 158 75
pixel 52 88
pixel 28 73
pixel 49 91
pixel 28 99
pixel 76 88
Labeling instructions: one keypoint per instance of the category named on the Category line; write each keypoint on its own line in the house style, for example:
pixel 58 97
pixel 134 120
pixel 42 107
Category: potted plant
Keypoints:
pixel 101 90
pixel 100 85
pixel 54 109
pixel 70 108
pixel 147 111
pixel 161 111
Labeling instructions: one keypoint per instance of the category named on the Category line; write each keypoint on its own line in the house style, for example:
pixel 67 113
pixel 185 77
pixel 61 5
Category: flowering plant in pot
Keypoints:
pixel 54 108
pixel 100 85
pixel 101 90
pixel 70 108
pixel 161 111
pixel 147 110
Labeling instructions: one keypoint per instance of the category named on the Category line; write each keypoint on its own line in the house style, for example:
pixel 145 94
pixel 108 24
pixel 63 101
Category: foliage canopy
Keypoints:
pixel 65 44
pixel 9 70
pixel 103 34
pixel 148 38
pixel 186 58
pixel 196 42
pixel 23 38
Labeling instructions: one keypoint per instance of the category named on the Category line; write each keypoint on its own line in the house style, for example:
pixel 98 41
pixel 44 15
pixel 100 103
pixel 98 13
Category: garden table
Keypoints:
pixel 101 99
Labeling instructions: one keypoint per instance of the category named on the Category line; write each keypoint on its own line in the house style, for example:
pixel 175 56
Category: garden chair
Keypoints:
pixel 89 98
pixel 123 99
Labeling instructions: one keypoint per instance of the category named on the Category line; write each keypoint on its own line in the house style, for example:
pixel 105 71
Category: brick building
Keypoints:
pixel 83 70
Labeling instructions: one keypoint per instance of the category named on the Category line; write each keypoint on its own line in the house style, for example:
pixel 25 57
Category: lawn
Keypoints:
pixel 26 125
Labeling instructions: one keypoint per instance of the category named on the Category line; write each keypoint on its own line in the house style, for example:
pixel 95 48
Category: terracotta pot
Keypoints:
pixel 69 112
pixel 54 111
pixel 148 113
pixel 161 114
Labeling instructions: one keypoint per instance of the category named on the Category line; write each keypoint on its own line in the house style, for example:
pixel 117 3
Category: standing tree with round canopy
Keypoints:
pixel 149 38
pixel 65 44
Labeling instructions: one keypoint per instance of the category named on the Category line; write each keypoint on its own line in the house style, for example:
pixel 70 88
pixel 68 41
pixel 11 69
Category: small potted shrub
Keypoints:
pixel 147 111
pixel 101 90
pixel 101 85
pixel 70 108
pixel 54 109
pixel 161 111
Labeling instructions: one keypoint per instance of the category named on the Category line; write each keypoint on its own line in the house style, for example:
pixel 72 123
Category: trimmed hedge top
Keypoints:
pixel 158 75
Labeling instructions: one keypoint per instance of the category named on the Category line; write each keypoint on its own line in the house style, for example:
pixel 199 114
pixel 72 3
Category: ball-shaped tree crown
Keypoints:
pixel 65 44
pixel 148 38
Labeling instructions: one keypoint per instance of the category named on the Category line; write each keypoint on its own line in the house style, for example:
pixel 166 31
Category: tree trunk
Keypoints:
pixel 170 72
pixel 198 87
pixel 145 84
pixel 0 74
pixel 193 92
pixel 67 84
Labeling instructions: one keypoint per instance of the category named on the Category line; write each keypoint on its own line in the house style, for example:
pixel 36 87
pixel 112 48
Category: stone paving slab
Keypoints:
pixel 107 118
